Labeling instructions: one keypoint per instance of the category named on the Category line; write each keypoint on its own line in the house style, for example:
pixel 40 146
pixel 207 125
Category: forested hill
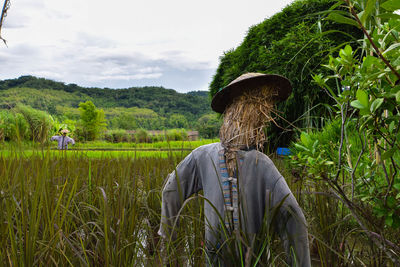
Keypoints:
pixel 46 95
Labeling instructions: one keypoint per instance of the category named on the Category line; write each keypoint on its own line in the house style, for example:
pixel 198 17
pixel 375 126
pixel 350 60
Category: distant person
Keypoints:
pixel 63 140
pixel 240 183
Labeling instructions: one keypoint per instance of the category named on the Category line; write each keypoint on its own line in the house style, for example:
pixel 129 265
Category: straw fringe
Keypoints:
pixel 244 121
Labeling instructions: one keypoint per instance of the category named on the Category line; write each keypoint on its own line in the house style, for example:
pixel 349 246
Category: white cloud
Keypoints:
pixel 175 43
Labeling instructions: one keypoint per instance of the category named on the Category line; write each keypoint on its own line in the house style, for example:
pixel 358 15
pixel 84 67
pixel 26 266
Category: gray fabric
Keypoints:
pixel 63 141
pixel 261 188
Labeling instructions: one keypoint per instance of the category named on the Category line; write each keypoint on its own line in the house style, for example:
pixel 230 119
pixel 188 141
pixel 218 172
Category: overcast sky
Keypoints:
pixel 126 43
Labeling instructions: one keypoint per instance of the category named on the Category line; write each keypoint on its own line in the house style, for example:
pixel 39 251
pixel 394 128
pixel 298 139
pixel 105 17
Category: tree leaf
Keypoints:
pixel 342 19
pixel 376 104
pixel 391 5
pixel 362 96
pixel 369 61
pixel 357 104
pixel 388 16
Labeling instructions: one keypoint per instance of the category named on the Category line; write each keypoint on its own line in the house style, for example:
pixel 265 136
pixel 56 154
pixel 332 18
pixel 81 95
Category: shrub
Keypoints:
pixel 141 136
pixel 177 135
pixel 117 136
pixel 13 126
pixel 40 122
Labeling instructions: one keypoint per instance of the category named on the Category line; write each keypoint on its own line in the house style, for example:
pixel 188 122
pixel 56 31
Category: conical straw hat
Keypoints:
pixel 251 81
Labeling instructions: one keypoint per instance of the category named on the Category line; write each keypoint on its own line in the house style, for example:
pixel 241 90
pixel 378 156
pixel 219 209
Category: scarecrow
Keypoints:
pixel 243 188
pixel 63 140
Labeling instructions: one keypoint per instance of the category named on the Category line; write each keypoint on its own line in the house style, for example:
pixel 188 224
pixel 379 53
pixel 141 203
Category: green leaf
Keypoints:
pixel 397 186
pixel 391 202
pixel 369 61
pixel 376 104
pixel 342 19
pixel 362 96
pixel 379 212
pixel 357 104
pixel 391 127
pixel 388 154
pixel 391 5
pixel 366 198
pixel 306 139
pixel 393 46
pixel 367 10
pixel 300 147
pixel 389 16
pixel 398 97
pixel 348 50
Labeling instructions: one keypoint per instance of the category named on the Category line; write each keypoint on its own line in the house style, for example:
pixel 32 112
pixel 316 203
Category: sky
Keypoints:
pixel 126 43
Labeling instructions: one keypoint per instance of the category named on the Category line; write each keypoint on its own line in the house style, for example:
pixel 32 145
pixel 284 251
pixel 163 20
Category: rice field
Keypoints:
pixel 97 154
pixel 80 211
pixel 102 208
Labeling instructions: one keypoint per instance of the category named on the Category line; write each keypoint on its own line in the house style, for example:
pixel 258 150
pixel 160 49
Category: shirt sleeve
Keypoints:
pixel 180 185
pixel 291 225
pixel 72 141
pixel 54 138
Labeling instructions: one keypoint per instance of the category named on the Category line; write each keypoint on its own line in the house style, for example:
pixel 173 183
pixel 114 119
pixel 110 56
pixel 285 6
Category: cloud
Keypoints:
pixel 175 44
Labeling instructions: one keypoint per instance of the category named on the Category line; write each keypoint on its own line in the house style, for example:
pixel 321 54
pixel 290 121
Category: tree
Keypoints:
pixel 208 125
pixel 178 121
pixel 92 121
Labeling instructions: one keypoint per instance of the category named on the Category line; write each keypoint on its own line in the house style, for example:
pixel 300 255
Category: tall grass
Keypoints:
pixel 69 209
pixel 79 211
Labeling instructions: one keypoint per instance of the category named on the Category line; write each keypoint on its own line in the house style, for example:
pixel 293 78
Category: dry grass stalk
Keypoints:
pixel 244 121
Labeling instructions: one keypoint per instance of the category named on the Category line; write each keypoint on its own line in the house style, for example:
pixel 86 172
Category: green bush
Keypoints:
pixel 13 126
pixel 141 136
pixel 117 136
pixel 177 135
pixel 358 159
pixel 40 122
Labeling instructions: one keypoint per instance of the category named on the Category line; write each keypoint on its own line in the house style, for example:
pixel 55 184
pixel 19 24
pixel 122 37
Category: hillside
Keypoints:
pixel 54 97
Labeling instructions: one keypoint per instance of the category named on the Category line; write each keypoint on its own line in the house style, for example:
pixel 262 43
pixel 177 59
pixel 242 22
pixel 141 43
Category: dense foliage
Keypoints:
pixel 150 108
pixel 46 94
pixel 293 43
pixel 356 156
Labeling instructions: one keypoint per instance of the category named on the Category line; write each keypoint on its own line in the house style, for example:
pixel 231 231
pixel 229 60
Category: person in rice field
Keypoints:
pixel 248 200
pixel 63 140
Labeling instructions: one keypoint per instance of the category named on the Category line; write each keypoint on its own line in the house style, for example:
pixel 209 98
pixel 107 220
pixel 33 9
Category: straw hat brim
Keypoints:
pixel 225 96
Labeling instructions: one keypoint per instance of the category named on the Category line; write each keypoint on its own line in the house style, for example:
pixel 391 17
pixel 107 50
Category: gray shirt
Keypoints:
pixel 62 141
pixel 261 188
